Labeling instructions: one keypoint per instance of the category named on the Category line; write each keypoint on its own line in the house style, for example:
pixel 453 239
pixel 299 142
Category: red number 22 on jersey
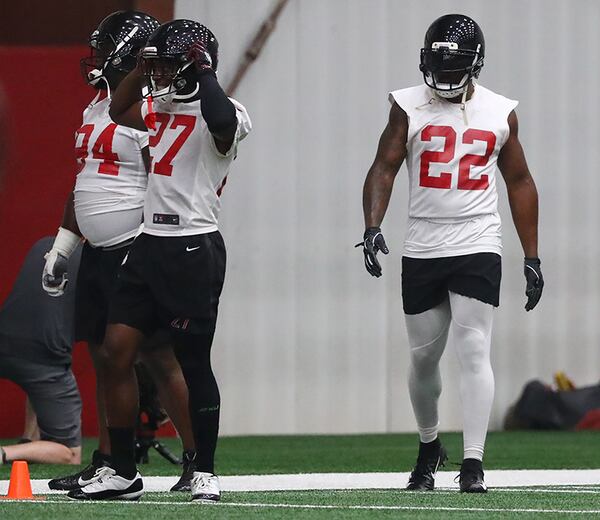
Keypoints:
pixel 444 181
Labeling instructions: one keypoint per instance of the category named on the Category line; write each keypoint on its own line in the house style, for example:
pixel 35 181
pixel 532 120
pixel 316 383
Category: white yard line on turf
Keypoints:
pixel 318 481
pixel 323 506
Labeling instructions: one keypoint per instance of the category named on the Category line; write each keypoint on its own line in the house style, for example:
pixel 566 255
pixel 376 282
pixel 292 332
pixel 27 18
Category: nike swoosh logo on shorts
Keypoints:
pixel 188 248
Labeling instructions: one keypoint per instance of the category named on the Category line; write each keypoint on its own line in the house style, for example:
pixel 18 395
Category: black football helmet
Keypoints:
pixel 114 47
pixel 452 54
pixel 165 62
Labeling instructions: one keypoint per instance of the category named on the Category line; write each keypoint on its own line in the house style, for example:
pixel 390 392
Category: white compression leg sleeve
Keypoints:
pixel 427 335
pixel 471 331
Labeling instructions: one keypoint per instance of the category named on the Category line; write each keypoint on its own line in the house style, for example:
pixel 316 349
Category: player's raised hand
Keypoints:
pixel 535 282
pixel 54 275
pixel 201 57
pixel 372 243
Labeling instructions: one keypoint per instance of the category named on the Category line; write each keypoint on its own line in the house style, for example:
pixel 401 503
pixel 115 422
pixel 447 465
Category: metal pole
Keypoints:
pixel 255 48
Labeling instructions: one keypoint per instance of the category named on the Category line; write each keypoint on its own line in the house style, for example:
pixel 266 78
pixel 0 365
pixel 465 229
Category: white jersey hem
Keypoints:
pixel 180 233
pixel 114 240
pixel 458 251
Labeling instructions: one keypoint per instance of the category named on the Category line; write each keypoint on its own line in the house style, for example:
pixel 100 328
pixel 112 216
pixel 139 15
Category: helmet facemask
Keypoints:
pixel 168 78
pixel 449 70
pixel 109 61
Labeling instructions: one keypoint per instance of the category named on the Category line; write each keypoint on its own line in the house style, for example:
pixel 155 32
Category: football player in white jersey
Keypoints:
pixel 454 134
pixel 174 272
pixel 106 209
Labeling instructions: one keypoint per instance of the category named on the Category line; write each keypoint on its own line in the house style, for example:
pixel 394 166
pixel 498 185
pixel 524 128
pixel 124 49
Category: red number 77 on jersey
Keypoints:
pixel 164 166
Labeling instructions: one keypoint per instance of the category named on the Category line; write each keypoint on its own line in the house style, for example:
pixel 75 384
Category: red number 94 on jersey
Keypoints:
pixel 102 149
pixel 445 156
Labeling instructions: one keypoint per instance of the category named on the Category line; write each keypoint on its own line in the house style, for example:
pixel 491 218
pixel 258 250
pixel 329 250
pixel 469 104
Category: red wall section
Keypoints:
pixel 46 96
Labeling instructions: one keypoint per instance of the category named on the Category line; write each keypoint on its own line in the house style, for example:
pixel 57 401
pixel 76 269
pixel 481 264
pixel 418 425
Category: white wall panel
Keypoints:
pixel 307 341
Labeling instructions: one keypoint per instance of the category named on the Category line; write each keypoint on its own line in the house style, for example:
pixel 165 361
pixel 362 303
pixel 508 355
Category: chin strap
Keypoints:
pixel 463 102
pixel 95 100
pixel 463 106
pixel 150 119
pixel 432 99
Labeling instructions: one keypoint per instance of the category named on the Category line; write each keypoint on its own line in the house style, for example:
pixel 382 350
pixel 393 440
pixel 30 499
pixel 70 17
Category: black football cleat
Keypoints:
pixel 85 477
pixel 110 486
pixel 422 476
pixel 471 477
pixel 185 481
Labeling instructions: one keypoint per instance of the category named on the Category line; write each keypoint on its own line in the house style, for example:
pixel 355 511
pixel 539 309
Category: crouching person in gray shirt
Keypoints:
pixel 36 340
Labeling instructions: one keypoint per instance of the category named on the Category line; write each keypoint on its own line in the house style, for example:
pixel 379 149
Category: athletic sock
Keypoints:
pixel 206 430
pixel 427 435
pixel 204 400
pixel 474 465
pixel 428 450
pixel 122 448
pixel 100 459
pixel 188 459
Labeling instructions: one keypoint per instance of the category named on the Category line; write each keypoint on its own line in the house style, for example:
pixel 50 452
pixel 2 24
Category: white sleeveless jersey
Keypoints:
pixel 188 172
pixel 111 180
pixel 452 161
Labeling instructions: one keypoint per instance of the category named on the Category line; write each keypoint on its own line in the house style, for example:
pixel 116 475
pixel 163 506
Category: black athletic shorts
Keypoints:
pixel 96 284
pixel 171 283
pixel 427 281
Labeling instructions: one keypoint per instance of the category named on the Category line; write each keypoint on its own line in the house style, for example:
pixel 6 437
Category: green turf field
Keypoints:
pixel 315 505
pixel 355 453
pixel 365 453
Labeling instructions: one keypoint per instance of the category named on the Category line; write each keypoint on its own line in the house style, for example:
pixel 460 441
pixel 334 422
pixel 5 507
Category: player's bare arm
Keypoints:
pixel 391 152
pixel 379 182
pixel 126 102
pixel 69 220
pixel 523 199
pixel 522 193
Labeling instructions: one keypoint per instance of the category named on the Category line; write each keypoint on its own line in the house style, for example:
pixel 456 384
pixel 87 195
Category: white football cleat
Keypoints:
pixel 205 488
pixel 110 486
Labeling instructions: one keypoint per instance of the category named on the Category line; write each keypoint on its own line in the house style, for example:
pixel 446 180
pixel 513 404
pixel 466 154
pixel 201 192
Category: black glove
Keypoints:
pixel 372 243
pixel 535 282
pixel 201 58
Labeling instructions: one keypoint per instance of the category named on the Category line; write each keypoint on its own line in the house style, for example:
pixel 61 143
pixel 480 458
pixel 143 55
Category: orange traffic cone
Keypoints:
pixel 20 483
